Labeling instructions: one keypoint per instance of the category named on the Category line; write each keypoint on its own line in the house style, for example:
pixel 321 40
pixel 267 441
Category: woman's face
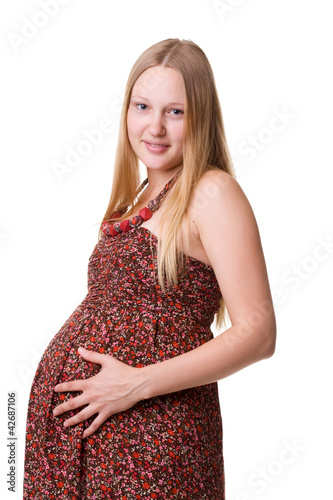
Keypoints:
pixel 155 118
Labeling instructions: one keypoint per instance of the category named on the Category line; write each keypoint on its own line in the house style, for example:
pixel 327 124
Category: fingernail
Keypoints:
pixel 55 412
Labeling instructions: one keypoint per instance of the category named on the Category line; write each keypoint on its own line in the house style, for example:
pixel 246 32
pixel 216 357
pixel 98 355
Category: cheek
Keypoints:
pixel 131 125
pixel 179 134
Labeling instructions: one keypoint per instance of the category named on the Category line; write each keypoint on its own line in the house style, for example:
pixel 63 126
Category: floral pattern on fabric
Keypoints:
pixel 165 447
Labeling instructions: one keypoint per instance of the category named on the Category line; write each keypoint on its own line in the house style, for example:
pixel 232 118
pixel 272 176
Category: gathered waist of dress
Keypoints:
pixel 155 305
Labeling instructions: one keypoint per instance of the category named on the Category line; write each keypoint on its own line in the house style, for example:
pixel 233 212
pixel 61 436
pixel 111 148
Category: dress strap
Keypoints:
pixel 144 214
pixel 154 204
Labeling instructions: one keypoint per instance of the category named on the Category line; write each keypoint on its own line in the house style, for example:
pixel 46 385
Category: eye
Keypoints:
pixel 141 109
pixel 178 112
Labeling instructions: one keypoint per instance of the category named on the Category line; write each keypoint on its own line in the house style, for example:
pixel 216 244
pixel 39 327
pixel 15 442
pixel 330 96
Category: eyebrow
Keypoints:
pixel 146 99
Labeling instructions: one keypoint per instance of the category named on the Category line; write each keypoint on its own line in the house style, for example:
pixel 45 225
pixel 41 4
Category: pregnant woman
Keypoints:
pixel 125 403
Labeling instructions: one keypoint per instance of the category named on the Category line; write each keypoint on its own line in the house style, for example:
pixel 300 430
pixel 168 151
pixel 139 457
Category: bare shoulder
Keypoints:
pixel 216 200
pixel 218 197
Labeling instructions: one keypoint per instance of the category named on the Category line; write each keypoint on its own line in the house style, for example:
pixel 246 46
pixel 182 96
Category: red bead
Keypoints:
pixel 124 225
pixel 145 213
pixel 115 215
pixel 113 232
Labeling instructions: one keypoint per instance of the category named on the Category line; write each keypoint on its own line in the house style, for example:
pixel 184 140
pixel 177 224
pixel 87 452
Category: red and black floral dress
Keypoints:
pixel 166 447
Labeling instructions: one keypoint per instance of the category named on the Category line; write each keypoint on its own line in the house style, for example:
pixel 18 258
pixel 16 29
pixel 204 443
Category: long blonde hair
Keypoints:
pixel 204 148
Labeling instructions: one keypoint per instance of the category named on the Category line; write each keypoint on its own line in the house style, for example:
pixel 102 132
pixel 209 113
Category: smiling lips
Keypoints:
pixel 156 148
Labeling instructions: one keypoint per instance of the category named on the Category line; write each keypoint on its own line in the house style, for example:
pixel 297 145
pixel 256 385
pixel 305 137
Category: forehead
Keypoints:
pixel 158 78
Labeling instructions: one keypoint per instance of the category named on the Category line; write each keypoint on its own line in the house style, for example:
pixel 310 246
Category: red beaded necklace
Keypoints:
pixel 144 214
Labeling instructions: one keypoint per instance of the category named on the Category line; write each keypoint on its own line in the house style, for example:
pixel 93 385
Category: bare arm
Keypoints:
pixel 230 236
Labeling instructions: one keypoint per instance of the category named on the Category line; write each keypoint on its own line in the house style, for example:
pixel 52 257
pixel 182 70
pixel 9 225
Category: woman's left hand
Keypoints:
pixel 115 388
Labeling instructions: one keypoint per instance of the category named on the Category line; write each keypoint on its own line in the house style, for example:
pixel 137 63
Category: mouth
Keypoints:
pixel 156 145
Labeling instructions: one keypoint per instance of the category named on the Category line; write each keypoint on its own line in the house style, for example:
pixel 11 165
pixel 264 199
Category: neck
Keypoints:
pixel 157 178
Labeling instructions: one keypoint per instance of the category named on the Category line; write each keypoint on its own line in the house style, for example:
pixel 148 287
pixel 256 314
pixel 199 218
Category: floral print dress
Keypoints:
pixel 166 447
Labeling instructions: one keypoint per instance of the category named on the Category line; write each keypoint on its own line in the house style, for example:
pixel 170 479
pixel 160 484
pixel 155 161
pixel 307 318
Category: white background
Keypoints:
pixel 269 58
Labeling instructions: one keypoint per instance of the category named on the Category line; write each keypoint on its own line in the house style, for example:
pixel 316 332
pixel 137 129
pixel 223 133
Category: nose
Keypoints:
pixel 156 126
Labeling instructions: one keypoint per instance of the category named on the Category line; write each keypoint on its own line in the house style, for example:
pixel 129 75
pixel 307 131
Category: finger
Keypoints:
pixel 74 385
pixel 93 356
pixel 95 424
pixel 71 404
pixel 80 417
